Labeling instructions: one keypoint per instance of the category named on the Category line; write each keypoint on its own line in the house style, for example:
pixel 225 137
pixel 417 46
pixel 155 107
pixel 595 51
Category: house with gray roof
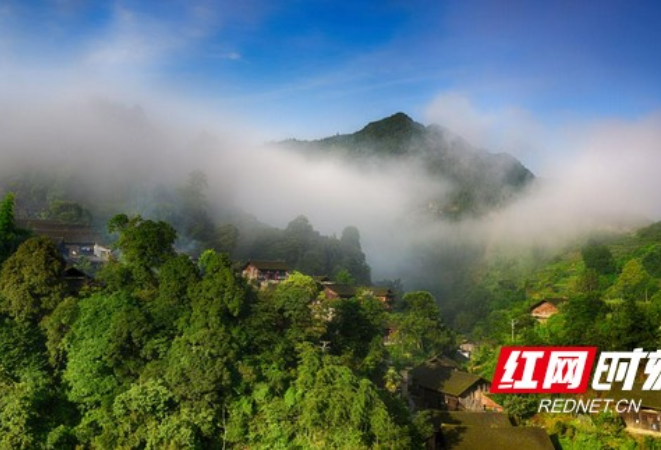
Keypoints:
pixel 436 384
pixel 463 430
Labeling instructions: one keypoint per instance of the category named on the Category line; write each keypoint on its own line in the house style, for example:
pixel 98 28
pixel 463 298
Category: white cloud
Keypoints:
pixel 132 39
pixel 509 129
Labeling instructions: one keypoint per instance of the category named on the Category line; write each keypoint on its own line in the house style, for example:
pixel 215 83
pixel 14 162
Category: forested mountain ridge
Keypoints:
pixel 607 289
pixel 480 181
pixel 164 352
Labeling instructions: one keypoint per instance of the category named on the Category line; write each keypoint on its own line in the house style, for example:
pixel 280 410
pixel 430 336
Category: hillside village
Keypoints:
pixel 456 402
pixel 203 334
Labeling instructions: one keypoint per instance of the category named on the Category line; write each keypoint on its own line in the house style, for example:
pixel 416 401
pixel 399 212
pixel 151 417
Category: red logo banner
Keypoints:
pixel 543 370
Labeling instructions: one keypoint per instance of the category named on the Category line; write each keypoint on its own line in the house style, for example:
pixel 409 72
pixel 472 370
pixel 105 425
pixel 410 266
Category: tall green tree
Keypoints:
pixel 652 261
pixel 356 333
pixel 105 347
pixel 143 243
pixel 296 298
pixel 598 257
pixel 582 316
pixel 419 329
pixel 31 283
pixel 10 236
pixel 19 410
pixel 634 283
pixel 147 416
pixel 326 406
pixel 177 279
pixel 220 296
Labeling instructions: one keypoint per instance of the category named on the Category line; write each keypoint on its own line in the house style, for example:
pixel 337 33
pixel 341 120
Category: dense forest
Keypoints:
pixel 161 351
pixel 608 292
pixel 167 346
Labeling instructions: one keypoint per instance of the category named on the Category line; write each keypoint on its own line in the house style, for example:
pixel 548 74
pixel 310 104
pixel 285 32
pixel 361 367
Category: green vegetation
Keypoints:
pixel 611 299
pixel 10 235
pixel 172 353
pixel 608 295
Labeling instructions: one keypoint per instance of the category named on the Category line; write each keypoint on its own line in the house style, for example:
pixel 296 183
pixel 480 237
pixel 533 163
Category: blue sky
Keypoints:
pixel 312 68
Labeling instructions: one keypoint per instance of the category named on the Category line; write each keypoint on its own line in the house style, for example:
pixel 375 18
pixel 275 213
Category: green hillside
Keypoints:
pixel 480 181
pixel 608 290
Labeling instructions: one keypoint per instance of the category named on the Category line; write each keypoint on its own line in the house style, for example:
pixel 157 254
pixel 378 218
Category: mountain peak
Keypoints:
pixel 481 181
pixel 393 135
pixel 399 125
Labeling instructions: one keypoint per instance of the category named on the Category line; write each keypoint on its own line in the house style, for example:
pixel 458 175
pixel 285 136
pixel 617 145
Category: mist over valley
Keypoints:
pixel 429 206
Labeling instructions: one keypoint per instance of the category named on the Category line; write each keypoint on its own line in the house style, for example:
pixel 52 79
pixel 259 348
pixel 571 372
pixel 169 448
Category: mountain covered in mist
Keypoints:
pixel 476 181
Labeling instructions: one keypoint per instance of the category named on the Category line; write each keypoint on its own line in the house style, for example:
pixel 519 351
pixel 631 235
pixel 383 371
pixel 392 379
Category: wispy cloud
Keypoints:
pixel 134 39
pixel 508 129
pixel 227 55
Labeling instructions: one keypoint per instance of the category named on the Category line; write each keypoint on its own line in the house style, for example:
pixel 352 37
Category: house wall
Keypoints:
pixel 427 398
pixel 253 273
pixel 330 294
pixel 544 311
pixel 474 399
pixel 272 275
pixel 645 419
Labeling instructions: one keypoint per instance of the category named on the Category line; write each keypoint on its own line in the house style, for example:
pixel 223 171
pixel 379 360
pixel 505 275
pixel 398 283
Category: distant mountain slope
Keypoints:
pixel 480 181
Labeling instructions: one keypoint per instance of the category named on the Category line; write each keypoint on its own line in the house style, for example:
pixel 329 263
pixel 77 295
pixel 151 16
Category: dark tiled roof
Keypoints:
pixel 342 290
pixel 73 272
pixel 469 419
pixel 477 438
pixel 437 376
pixel 464 430
pixel 321 278
pixel 380 291
pixel 61 232
pixel 268 265
pixel 650 399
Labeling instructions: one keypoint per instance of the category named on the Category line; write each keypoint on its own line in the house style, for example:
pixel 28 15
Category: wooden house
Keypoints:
pixel 544 309
pixel 76 279
pixel 266 272
pixel 73 241
pixel 460 430
pixel 466 349
pixel 336 290
pixel 648 418
pixel 383 294
pixel 436 384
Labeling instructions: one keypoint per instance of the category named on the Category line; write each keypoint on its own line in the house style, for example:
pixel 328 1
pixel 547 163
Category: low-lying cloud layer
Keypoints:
pixel 605 176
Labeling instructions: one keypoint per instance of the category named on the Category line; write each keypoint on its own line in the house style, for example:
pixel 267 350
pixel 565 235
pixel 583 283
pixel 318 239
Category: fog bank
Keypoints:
pixel 604 178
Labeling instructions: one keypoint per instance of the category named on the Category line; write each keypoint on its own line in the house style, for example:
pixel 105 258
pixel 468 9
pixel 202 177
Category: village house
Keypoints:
pixel 438 384
pixel 76 279
pixel 335 290
pixel 383 294
pixel 466 349
pixel 72 240
pixel 461 430
pixel 266 272
pixel 544 309
pixel 648 418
